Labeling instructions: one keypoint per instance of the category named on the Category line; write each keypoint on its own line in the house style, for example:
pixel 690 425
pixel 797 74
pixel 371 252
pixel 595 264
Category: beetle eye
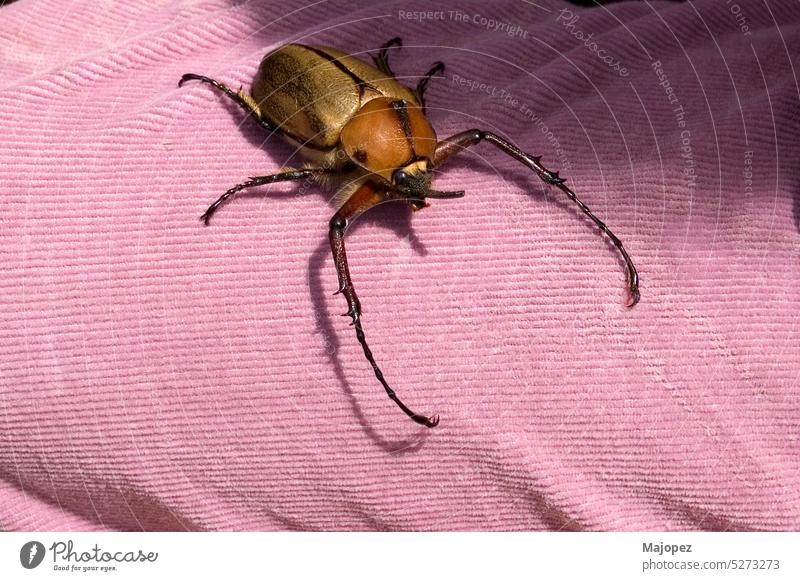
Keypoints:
pixel 401 178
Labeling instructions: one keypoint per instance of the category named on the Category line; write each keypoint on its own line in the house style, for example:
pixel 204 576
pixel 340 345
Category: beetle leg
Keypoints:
pixel 438 67
pixel 362 200
pixel 242 99
pixel 456 143
pixel 300 174
pixel 382 58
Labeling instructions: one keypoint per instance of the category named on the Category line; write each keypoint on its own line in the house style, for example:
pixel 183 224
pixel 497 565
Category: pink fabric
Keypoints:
pixel 160 375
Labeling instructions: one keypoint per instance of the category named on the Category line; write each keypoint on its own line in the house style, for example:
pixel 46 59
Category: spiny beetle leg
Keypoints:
pixel 300 174
pixel 438 67
pixel 381 60
pixel 452 145
pixel 366 197
pixel 240 98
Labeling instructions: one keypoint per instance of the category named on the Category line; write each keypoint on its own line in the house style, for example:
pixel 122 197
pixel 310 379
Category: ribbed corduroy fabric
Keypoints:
pixel 156 374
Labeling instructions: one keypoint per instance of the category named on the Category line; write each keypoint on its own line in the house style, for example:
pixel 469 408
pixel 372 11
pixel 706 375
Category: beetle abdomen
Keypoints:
pixel 311 92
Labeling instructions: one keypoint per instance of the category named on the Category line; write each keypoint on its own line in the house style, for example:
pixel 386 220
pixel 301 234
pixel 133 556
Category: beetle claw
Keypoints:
pixel 430 422
pixel 634 298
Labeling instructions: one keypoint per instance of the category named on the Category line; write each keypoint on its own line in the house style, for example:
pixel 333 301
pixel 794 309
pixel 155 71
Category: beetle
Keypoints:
pixel 367 135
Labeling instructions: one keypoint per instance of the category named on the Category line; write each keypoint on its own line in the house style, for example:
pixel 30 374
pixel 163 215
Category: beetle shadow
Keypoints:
pixel 384 216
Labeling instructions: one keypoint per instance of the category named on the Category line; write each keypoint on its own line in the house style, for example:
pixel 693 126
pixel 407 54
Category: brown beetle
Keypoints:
pixel 367 135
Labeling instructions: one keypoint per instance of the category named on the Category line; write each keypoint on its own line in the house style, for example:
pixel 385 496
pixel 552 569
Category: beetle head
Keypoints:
pixel 414 182
pixel 393 140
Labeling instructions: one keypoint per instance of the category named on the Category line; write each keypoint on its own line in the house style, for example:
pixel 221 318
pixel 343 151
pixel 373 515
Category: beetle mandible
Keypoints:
pixel 366 134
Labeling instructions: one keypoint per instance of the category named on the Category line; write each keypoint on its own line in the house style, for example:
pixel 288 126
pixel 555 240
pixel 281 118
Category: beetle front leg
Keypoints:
pixel 300 174
pixel 460 141
pixel 363 199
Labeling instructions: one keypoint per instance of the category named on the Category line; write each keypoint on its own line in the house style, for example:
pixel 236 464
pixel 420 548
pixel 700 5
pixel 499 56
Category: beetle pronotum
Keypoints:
pixel 366 134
